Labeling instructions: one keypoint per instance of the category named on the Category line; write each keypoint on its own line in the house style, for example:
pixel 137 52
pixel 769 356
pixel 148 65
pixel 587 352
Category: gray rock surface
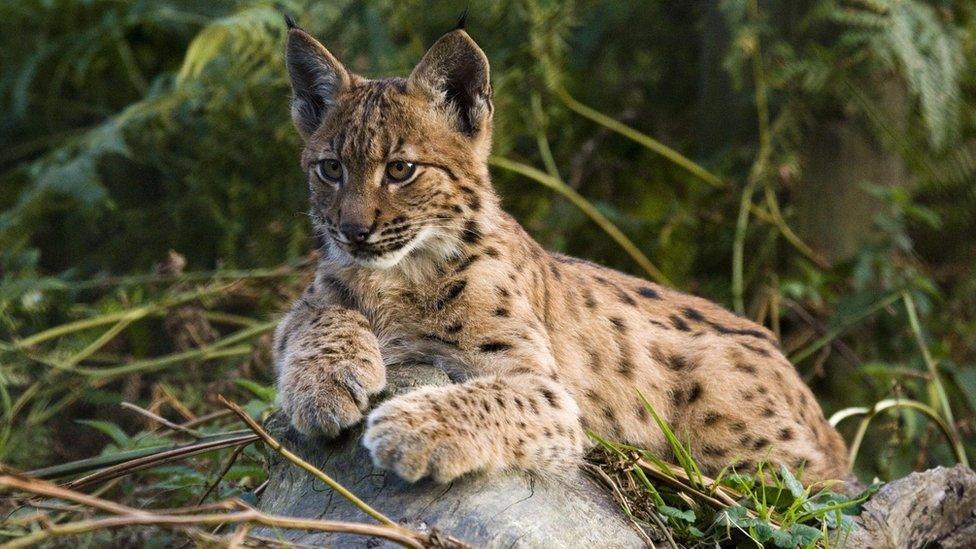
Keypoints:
pixel 505 510
pixel 934 508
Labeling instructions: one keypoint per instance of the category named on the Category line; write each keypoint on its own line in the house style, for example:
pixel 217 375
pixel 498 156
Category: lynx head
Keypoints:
pixel 395 166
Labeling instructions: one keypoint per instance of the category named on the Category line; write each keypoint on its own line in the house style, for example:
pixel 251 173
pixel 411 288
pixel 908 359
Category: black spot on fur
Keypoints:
pixel 725 330
pixel 618 323
pixel 677 362
pixel 491 252
pixel 466 263
pixel 649 293
pixel 760 443
pixel 501 311
pixel 626 367
pixel 452 292
pixel 454 328
pixel 746 368
pixel 711 418
pixel 768 412
pixel 713 451
pixel 695 392
pixel 625 298
pixel 693 314
pixel 642 411
pixel 758 350
pixel 339 287
pixel 594 361
pixel 471 234
pixel 786 434
pixel 494 347
pixel 589 299
pixel 679 323
pixel 439 339
pixel 551 398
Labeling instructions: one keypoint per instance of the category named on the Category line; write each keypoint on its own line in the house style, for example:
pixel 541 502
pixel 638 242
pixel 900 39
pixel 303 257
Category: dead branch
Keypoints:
pixel 287 454
pixel 161 420
pixel 160 458
pixel 129 516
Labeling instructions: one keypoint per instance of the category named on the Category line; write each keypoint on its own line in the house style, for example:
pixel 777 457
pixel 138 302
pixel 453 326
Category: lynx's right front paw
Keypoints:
pixel 325 399
pixel 329 376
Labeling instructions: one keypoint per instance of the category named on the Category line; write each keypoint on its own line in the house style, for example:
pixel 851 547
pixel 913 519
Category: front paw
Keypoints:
pixel 410 436
pixel 325 399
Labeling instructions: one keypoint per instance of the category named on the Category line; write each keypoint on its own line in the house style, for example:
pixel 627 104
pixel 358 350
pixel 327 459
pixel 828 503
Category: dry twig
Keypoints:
pixel 237 513
pixel 161 420
pixel 316 472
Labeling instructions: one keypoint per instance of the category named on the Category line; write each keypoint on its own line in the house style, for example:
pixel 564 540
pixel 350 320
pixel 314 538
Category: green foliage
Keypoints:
pixel 764 509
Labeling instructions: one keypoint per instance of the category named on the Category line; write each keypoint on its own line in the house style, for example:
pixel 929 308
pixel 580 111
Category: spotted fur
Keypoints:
pixel 542 345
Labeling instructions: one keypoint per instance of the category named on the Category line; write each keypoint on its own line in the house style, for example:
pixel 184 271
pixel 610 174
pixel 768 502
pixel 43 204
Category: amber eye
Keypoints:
pixel 400 170
pixel 329 170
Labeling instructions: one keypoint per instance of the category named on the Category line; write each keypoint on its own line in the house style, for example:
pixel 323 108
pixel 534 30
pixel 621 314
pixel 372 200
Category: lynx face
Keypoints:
pixel 388 161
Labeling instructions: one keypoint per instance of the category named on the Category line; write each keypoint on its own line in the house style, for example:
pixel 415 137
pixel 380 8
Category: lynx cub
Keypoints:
pixel 420 263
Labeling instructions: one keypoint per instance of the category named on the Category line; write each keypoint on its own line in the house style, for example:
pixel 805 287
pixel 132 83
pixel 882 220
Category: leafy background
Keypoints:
pixel 809 163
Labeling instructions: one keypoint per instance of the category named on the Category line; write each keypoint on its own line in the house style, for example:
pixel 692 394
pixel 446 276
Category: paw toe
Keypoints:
pixel 358 392
pixel 399 449
pixel 307 419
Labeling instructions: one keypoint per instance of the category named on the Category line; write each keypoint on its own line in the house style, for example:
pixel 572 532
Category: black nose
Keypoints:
pixel 354 232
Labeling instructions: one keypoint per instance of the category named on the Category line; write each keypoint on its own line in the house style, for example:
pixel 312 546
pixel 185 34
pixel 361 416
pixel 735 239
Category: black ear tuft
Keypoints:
pixel 462 21
pixel 289 20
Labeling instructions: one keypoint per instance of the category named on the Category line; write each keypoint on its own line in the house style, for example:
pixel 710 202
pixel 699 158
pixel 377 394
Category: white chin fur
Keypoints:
pixel 391 259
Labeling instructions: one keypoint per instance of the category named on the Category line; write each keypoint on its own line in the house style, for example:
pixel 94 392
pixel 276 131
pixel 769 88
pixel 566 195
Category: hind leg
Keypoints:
pixel 741 406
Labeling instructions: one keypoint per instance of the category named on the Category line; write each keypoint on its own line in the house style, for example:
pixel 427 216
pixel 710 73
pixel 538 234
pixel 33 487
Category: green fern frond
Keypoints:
pixel 249 37
pixel 911 38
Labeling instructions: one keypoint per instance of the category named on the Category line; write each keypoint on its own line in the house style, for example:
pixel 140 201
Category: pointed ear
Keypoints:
pixel 317 77
pixel 454 73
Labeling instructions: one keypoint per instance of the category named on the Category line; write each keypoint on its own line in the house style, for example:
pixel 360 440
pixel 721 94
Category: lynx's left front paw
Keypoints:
pixel 416 436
